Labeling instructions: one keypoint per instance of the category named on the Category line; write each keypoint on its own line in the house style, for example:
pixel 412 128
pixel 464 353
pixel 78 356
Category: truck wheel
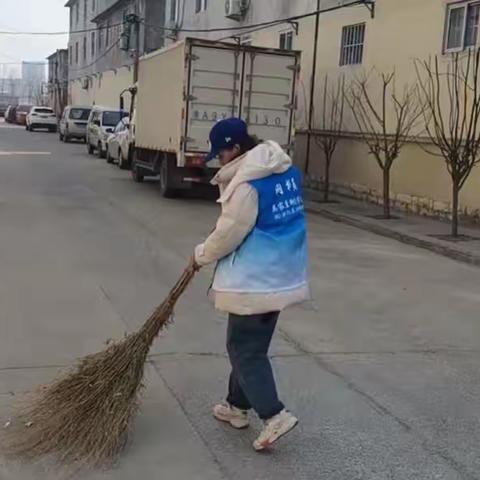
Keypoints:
pixel 166 177
pixel 137 176
pixel 60 137
pixel 90 148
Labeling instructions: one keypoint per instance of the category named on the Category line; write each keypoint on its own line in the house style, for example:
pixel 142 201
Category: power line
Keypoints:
pixel 72 32
pixel 21 63
pixel 108 50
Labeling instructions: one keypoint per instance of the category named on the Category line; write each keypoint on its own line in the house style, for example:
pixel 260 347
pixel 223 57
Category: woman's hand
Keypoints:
pixel 194 264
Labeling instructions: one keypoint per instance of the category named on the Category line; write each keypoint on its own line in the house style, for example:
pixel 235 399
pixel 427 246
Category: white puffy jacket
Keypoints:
pixel 239 201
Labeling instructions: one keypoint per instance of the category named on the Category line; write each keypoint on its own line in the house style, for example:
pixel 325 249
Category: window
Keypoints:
pixel 111 119
pixel 353 37
pixel 77 12
pixel 462 25
pixel 93 44
pixel 93 5
pixel 120 127
pixel 76 53
pixel 85 10
pixel 70 55
pixel 84 49
pixel 43 110
pixel 101 31
pixel 79 114
pixel 286 41
pixel 173 11
pixel 107 35
pixel 200 5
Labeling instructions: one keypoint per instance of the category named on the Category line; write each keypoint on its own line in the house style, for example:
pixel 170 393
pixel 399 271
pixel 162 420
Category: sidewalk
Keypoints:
pixel 411 229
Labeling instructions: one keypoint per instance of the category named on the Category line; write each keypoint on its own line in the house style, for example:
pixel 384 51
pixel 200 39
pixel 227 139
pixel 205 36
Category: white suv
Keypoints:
pixel 41 117
pixel 100 125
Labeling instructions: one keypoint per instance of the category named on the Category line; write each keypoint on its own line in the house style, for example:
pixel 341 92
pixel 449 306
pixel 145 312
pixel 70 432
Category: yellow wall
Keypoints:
pixel 402 31
pixel 104 89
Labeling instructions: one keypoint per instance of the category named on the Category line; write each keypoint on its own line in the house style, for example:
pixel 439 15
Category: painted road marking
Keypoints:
pixel 23 153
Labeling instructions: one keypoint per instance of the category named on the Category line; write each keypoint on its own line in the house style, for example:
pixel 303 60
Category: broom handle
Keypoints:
pixel 162 314
pixel 177 291
pixel 182 284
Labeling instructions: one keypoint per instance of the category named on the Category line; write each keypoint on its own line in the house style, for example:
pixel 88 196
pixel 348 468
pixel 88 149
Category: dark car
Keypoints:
pixel 10 113
pixel 21 114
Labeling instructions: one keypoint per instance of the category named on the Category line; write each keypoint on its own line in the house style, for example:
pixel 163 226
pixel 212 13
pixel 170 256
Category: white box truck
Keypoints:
pixel 184 89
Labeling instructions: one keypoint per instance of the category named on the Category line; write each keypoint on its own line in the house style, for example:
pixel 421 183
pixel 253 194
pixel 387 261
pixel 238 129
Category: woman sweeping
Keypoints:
pixel 260 244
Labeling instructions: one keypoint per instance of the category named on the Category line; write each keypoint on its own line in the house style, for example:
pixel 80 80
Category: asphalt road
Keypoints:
pixel 382 367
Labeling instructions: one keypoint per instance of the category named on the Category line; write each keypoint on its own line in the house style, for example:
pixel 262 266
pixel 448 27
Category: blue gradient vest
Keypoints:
pixel 273 257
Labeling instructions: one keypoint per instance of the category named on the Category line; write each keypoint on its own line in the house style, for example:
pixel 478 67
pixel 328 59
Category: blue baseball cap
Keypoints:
pixel 225 135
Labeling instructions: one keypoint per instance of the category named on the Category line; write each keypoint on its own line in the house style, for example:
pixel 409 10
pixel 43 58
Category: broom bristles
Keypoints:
pixel 83 419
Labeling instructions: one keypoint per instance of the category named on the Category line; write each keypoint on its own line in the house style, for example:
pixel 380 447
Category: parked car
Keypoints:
pixel 21 114
pixel 73 123
pixel 5 101
pixel 101 123
pixel 10 113
pixel 117 144
pixel 41 117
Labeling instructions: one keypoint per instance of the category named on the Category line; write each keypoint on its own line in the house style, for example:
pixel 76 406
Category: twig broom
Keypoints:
pixel 83 419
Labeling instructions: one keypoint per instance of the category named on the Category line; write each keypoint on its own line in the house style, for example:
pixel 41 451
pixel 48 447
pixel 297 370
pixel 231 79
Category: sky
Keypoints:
pixel 30 15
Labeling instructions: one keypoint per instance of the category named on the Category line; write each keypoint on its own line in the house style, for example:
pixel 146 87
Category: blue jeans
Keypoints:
pixel 252 384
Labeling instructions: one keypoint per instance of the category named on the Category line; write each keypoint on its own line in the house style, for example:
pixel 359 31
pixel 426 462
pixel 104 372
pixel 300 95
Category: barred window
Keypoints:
pixel 286 41
pixel 463 19
pixel 353 37
pixel 200 5
pixel 93 44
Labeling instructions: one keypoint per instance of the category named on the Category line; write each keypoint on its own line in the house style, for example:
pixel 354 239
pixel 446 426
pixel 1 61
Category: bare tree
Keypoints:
pixel 333 107
pixel 385 124
pixel 451 97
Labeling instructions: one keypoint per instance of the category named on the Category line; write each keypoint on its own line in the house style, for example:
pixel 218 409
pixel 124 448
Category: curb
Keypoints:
pixel 445 251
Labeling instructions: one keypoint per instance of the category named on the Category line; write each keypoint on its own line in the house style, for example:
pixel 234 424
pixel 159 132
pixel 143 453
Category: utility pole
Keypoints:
pixel 311 110
pixel 136 64
pixel 132 21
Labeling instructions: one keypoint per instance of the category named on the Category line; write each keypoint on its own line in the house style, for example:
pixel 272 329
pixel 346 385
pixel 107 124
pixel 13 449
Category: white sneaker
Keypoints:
pixel 234 416
pixel 275 428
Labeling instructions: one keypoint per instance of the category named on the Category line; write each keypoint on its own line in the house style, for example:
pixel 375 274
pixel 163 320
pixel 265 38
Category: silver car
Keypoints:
pixel 73 123
pixel 117 144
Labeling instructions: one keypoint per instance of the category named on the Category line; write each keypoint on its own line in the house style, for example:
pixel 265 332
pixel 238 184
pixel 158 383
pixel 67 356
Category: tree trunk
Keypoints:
pixel 386 193
pixel 455 195
pixel 326 185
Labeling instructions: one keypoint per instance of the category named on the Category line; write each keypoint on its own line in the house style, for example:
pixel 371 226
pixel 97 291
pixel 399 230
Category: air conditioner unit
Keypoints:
pixel 85 83
pixel 236 9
